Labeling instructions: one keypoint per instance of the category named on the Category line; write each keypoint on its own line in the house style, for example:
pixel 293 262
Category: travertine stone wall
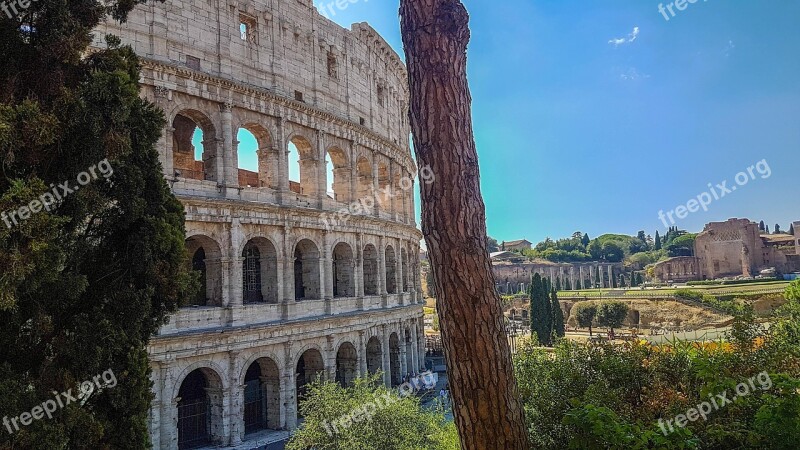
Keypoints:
pixel 291 291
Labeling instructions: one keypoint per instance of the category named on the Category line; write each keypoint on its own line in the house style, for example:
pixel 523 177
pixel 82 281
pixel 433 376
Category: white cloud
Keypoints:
pixel 616 42
pixel 633 74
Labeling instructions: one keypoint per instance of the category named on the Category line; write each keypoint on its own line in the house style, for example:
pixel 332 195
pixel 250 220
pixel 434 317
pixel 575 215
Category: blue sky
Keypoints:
pixel 594 116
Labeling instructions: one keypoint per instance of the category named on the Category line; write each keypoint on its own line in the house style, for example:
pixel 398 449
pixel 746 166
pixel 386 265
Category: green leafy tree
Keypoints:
pixel 369 416
pixel 612 314
pixel 585 314
pixel 558 315
pixel 541 311
pixel 84 285
pixel 612 252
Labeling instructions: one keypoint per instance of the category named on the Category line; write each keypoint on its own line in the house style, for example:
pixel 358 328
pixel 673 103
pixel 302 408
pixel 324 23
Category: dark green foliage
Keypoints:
pixel 585 314
pixel 558 315
pixel 612 314
pixel 558 284
pixel 657 242
pixel 84 286
pixel 541 311
pixel 585 396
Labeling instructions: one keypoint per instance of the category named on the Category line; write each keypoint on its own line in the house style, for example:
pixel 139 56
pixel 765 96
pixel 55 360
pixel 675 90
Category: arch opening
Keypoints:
pixel 370 264
pixel 374 355
pixel 302 167
pixel 391 271
pixel 259 272
pixel 194 146
pixel 346 365
pixel 306 271
pixel 343 276
pixel 204 261
pixel 395 369
pixel 262 391
pixel 199 409
pixel 310 368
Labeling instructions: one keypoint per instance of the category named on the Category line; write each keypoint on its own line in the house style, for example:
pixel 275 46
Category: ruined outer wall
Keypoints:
pixel 352 74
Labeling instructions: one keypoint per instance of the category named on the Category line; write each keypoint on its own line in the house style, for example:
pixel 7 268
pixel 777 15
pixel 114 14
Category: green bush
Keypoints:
pixel 600 396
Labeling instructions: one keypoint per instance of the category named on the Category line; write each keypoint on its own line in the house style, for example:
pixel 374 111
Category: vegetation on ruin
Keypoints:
pixel 597 396
pixel 398 423
pixel 83 286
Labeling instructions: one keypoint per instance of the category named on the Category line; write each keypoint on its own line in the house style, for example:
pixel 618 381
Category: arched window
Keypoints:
pixel 199 265
pixel 251 275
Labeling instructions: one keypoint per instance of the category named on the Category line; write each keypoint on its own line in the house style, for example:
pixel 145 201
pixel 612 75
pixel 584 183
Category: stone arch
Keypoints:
pixel 307 161
pixel 307 284
pixel 309 368
pixel 262 396
pixel 346 364
pixel 364 174
pixel 371 270
pixel 199 397
pixel 267 158
pixel 184 163
pixel 384 185
pixel 341 174
pixel 205 257
pixel 391 270
pixel 374 355
pixel 259 271
pixel 343 273
pixel 395 370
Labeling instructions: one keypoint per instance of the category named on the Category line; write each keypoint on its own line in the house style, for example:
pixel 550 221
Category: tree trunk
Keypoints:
pixel 487 408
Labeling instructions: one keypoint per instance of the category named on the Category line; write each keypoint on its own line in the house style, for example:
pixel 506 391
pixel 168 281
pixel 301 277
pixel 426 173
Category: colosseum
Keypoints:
pixel 290 295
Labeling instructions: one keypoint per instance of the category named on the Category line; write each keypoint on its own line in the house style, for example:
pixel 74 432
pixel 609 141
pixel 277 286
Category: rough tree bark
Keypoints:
pixel 487 411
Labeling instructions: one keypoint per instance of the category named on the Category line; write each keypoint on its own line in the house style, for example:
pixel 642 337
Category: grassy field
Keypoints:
pixel 768 286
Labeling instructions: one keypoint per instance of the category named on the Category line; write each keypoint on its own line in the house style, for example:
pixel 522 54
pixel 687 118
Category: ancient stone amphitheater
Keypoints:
pixel 289 293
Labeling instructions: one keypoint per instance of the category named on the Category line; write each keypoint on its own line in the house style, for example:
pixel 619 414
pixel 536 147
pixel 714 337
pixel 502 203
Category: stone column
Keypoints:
pixel 330 358
pixel 362 354
pixel 403 355
pixel 358 275
pixel 326 260
pixel 387 366
pixel 611 276
pixel 289 302
pixel 230 170
pixel 283 159
pixel 414 348
pixel 580 275
pixel 353 175
pixel 376 186
pixel 382 266
pixel 398 272
pixel 288 388
pixel 322 169
pixel 167 159
pixel 236 400
pixel 392 191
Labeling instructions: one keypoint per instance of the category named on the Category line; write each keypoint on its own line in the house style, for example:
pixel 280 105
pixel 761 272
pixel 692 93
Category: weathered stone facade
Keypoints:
pixel 513 278
pixel 289 294
pixel 735 248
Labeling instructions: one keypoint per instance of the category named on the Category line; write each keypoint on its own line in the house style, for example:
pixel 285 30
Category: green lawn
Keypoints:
pixel 775 286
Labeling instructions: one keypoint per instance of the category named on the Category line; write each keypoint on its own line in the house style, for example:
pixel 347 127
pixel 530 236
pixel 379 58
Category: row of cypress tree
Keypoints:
pixel 547 317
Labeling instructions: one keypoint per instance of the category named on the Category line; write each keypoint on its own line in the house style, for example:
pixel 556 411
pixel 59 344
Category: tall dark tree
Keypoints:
pixel 487 409
pixel 541 310
pixel 777 229
pixel 585 240
pixel 558 284
pixel 791 229
pixel 761 226
pixel 86 283
pixel 657 241
pixel 768 229
pixel 558 315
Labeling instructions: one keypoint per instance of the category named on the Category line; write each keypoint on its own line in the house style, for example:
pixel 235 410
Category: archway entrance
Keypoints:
pixel 262 392
pixel 374 355
pixel 346 365
pixel 310 367
pixel 394 360
pixel 199 409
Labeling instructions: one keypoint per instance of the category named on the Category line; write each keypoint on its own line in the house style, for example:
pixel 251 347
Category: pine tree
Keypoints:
pixel 777 229
pixel 761 226
pixel 558 284
pixel 767 229
pixel 558 316
pixel 84 285
pixel 622 281
pixel 633 279
pixel 658 241
pixel 639 279
pixel 791 229
pixel 585 240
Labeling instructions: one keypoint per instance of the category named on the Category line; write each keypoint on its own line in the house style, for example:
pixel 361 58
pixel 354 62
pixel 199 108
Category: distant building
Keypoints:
pixel 506 256
pixel 511 246
pixel 735 248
